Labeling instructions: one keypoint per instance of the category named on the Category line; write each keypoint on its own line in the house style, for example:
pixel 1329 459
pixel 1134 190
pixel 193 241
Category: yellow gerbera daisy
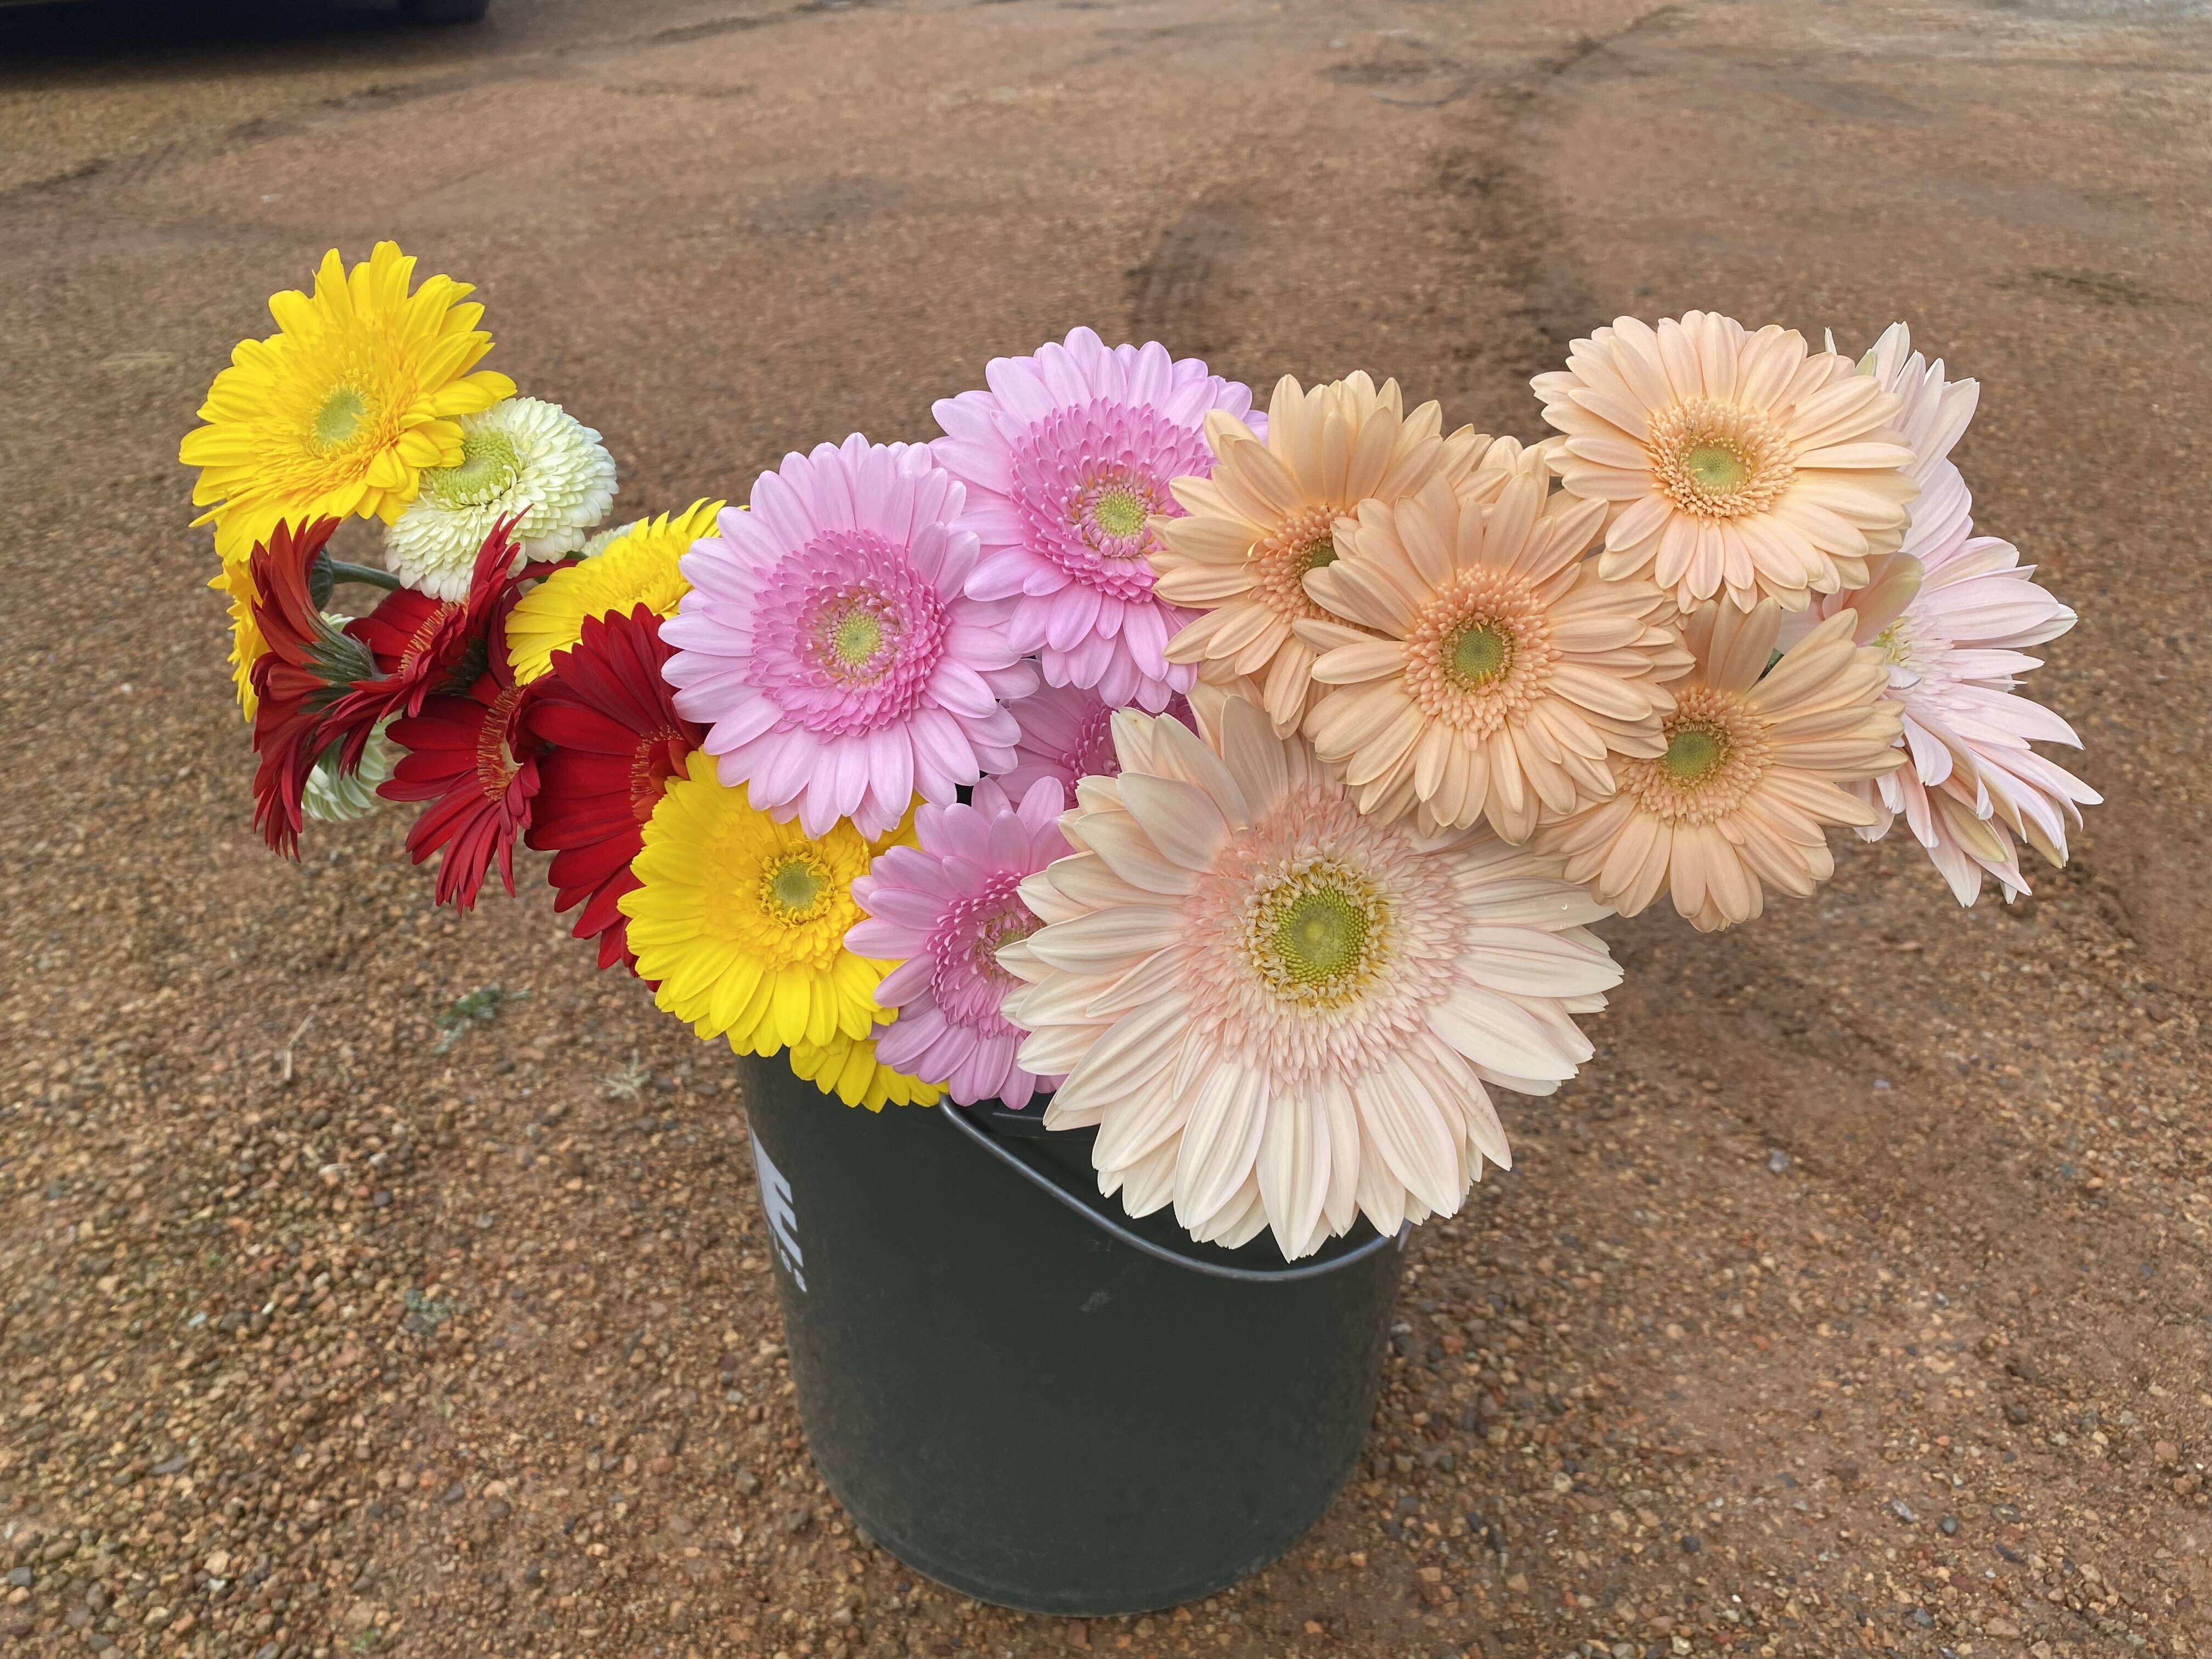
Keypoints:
pixel 847 1068
pixel 342 409
pixel 742 919
pixel 246 646
pixel 637 566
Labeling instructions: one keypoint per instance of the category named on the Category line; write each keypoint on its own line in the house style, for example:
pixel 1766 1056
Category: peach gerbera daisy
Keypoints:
pixel 1278 1012
pixel 1267 515
pixel 1730 462
pixel 1508 672
pixel 1756 761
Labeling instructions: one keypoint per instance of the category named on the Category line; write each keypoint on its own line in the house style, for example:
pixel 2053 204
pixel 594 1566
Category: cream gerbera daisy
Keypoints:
pixel 1508 672
pixel 334 795
pixel 361 388
pixel 1756 761
pixel 524 457
pixel 1266 516
pixel 636 565
pixel 1730 462
pixel 1277 1013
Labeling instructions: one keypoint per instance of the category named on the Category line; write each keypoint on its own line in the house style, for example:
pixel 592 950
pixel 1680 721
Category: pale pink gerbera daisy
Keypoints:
pixel 1067 458
pixel 1481 667
pixel 1952 614
pixel 1067 735
pixel 828 646
pixel 1277 1013
pixel 1731 462
pixel 942 910
pixel 1756 761
pixel 1267 515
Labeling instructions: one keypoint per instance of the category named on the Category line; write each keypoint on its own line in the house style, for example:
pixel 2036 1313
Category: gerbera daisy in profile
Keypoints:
pixel 1473 664
pixel 1280 1012
pixel 828 646
pixel 1731 463
pixel 422 645
pixel 741 921
pixel 1757 761
pixel 523 461
pixel 637 564
pixel 302 677
pixel 1068 459
pixel 1267 512
pixel 1954 614
pixel 1066 735
pixel 235 583
pixel 611 739
pixel 466 757
pixel 337 793
pixel 941 910
pixel 339 412
pixel 848 1068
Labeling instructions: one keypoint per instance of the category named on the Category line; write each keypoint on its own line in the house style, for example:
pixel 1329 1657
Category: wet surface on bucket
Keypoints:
pixel 356 1302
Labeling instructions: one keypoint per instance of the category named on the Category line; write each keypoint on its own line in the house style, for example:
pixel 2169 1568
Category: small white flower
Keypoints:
pixel 524 455
pixel 334 797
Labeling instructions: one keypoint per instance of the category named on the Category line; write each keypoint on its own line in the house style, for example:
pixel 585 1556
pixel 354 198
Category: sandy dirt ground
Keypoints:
pixel 1855 1300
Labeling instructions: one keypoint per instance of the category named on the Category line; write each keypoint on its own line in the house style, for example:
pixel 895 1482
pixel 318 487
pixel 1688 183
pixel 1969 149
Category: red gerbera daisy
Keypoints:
pixel 613 740
pixel 309 669
pixel 466 756
pixel 424 645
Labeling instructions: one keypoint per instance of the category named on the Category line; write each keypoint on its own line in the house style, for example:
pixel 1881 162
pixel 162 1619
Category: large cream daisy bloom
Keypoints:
pixel 1482 668
pixel 1268 516
pixel 1277 1013
pixel 1731 463
pixel 1757 763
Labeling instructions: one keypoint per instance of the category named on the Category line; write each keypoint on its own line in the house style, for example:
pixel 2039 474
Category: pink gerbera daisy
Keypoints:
pixel 828 645
pixel 1067 735
pixel 942 910
pixel 1068 459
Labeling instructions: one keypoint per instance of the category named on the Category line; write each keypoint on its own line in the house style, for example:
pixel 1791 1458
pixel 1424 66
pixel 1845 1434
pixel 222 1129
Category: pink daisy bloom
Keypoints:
pixel 1068 735
pixel 1067 458
pixel 828 645
pixel 941 910
pixel 1953 613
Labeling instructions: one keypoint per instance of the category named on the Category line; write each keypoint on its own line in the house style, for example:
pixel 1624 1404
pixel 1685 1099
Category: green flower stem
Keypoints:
pixel 342 571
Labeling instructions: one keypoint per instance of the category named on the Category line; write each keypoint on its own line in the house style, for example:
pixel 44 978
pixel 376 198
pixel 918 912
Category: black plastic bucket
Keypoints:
pixel 1030 1398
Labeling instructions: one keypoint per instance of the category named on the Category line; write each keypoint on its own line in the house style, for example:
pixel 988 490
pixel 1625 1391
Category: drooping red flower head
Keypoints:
pixel 612 739
pixel 308 672
pixel 424 645
pixel 466 756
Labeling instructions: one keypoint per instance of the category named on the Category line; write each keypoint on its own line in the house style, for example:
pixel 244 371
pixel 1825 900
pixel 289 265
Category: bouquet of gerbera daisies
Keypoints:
pixel 1245 786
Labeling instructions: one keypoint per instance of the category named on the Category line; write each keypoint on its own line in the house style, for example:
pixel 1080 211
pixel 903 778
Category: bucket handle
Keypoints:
pixel 1048 1182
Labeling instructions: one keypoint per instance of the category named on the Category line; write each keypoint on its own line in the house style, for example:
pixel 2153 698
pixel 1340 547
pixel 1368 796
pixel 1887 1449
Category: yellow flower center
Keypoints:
pixel 1718 461
pixel 489 467
pixel 1316 932
pixel 1118 512
pixel 1716 755
pixel 855 637
pixel 340 419
pixel 1480 653
pixel 795 888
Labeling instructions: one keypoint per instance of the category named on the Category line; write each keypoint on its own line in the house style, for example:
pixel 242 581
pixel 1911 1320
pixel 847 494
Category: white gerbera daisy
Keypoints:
pixel 330 796
pixel 523 455
pixel 1279 1013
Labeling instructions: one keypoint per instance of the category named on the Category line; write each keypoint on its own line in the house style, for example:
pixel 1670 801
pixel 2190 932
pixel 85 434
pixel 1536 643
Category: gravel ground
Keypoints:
pixel 373 1279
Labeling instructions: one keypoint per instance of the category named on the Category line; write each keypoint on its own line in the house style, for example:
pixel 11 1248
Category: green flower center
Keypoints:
pixel 1322 552
pixel 1718 469
pixel 1694 753
pixel 795 888
pixel 1119 511
pixel 340 420
pixel 1316 932
pixel 1478 653
pixel 856 637
pixel 488 469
